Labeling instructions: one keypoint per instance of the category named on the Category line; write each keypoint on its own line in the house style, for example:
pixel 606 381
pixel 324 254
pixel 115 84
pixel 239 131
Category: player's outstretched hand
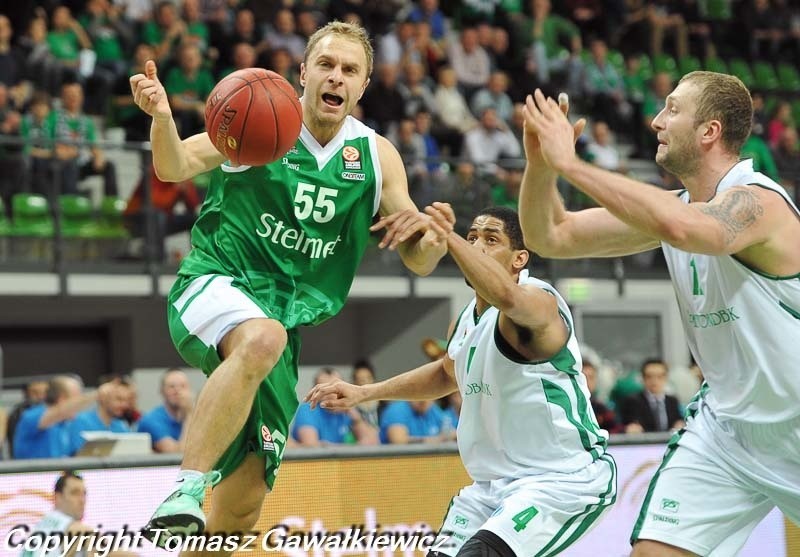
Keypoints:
pixel 401 226
pixel 534 128
pixel 443 219
pixel 336 395
pixel 149 94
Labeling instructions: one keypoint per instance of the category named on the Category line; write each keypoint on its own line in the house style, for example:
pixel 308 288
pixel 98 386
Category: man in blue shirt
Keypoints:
pixel 43 429
pixel 106 416
pixel 316 427
pixel 167 424
pixel 420 421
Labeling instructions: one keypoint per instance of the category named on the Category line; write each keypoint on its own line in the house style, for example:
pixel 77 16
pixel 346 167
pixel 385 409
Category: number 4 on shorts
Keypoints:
pixel 522 518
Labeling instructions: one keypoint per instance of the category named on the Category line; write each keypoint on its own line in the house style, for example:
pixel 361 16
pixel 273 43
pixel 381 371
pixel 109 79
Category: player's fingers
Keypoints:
pixel 439 220
pixel 447 209
pixel 378 225
pixel 541 102
pixel 394 229
pixel 339 404
pixel 563 103
pixel 150 70
pixel 578 128
pixel 411 228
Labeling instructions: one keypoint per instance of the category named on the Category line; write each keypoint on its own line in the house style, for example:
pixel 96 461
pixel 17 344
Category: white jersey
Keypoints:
pixel 53 522
pixel 520 418
pixel 742 325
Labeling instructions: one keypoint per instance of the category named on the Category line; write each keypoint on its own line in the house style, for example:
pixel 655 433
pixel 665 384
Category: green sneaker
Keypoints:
pixel 181 514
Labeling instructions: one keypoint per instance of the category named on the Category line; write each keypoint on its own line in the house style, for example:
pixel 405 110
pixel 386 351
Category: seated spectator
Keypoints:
pixel 425 50
pixel 416 90
pixel 781 119
pixel 68 126
pixel 40 65
pixel 66 38
pixel 364 374
pixel 604 86
pixel 34 393
pixel 165 31
pixel 428 11
pixel 281 63
pixel 602 151
pixel 494 95
pixel 131 413
pixel 69 500
pixel 420 421
pixel 244 30
pixel 505 193
pixel 422 125
pixel 197 31
pixel 383 102
pixel 318 426
pixel 411 147
pixel 489 142
pixel 665 18
pixel 168 423
pixel 43 429
pixel 282 35
pixel 787 159
pixel 11 162
pixel 757 149
pixel 451 106
pixel 105 416
pixel 38 151
pixel 188 86
pixel 606 418
pixel 470 61
pixel 652 409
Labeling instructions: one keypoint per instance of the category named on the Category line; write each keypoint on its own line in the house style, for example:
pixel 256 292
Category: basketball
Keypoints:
pixel 253 116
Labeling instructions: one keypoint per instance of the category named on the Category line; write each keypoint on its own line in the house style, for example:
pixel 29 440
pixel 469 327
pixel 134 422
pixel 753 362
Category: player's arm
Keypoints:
pixel 552 231
pixel 406 227
pixel 67 409
pixel 364 433
pixel 529 317
pixel 174 160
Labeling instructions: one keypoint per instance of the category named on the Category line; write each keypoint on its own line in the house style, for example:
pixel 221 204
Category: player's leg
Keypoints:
pixel 236 502
pixel 467 511
pixel 696 502
pixel 485 543
pixel 210 318
pixel 546 513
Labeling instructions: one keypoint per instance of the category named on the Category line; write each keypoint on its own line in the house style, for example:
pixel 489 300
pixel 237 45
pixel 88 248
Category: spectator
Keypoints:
pixel 281 63
pixel 451 405
pixel 787 159
pixel 633 31
pixel 69 499
pixel 505 193
pixel 313 428
pixel 38 151
pixel 451 106
pixel 757 149
pixel 364 374
pixel 188 85
pixel 382 102
pixel 308 21
pixel 131 412
pixel 197 31
pixel 40 65
pixel 781 119
pixel 425 50
pixel 422 126
pixel 490 141
pixel 541 36
pixel 429 12
pixel 765 29
pixel 420 421
pixel 11 58
pixel 602 150
pixel 588 16
pixel 699 29
pixel 494 95
pixel 665 18
pixel 69 126
pixel 66 39
pixel 604 86
pixel 168 423
pixel 467 191
pixel 416 90
pixel 434 348
pixel 392 46
pixel 33 393
pixel 470 62
pixel 243 56
pixel 282 35
pixel 411 147
pixel 11 161
pixel 652 409
pixel 135 122
pixel 165 31
pixel 245 30
pixel 105 416
pixel 43 429
pixel 606 418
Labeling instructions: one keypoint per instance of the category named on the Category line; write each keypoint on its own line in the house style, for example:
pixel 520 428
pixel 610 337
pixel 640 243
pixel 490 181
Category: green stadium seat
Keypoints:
pixel 741 69
pixel 765 77
pixel 770 102
pixel 788 78
pixel 111 223
pixel 716 65
pixel 645 67
pixel 76 216
pixel 665 63
pixel 688 64
pixel 796 110
pixel 31 216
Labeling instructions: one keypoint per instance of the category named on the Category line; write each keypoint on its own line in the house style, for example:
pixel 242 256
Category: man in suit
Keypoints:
pixel 652 409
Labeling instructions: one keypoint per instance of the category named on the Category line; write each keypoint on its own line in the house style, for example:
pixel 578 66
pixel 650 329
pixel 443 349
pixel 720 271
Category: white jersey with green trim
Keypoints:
pixel 520 418
pixel 742 325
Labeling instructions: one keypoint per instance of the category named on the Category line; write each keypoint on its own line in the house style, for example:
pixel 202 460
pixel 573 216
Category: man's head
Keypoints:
pixel 326 375
pixel 36 391
pixel 6 31
pixel 284 22
pixel 489 119
pixel 590 371
pixel 498 82
pixel 70 495
pixel 61 18
pixel 469 39
pixel 72 97
pixel 189 58
pixel 335 71
pixel 244 56
pixel 706 111
pixel 245 22
pixel 654 376
pixel 166 14
pixel 62 388
pixel 174 388
pixel 115 401
pixel 143 53
pixel 497 232
pixel 363 373
pixel 788 140
pixel 420 407
pixel 601 133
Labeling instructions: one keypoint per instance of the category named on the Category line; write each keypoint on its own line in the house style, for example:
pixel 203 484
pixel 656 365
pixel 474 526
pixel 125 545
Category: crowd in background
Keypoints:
pixel 54 414
pixel 447 88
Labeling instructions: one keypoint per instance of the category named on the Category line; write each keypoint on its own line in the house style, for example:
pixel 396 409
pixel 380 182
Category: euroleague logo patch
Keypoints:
pixel 266 437
pixel 352 158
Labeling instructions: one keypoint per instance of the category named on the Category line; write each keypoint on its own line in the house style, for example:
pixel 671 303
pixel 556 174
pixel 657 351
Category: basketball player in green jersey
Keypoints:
pixel 275 247
pixel 527 434
pixel 730 242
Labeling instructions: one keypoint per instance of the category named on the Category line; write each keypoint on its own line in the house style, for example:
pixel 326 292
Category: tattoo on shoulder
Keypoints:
pixel 737 211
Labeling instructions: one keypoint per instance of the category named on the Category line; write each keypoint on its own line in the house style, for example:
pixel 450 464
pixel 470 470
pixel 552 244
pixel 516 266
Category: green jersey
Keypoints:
pixel 293 232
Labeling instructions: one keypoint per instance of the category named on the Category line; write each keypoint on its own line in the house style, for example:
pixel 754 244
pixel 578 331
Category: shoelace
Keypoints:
pixel 197 488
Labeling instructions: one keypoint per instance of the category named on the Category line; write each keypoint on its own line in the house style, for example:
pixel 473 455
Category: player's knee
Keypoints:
pixel 261 346
pixel 650 548
pixel 485 544
pixel 243 515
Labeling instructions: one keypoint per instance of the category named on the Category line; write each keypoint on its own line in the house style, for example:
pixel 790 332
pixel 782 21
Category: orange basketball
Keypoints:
pixel 253 117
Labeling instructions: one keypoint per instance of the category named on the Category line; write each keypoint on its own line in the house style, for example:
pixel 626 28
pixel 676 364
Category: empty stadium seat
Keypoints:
pixel 665 63
pixel 741 69
pixel 788 78
pixel 688 64
pixel 31 216
pixel 76 216
pixel 765 77
pixel 716 65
